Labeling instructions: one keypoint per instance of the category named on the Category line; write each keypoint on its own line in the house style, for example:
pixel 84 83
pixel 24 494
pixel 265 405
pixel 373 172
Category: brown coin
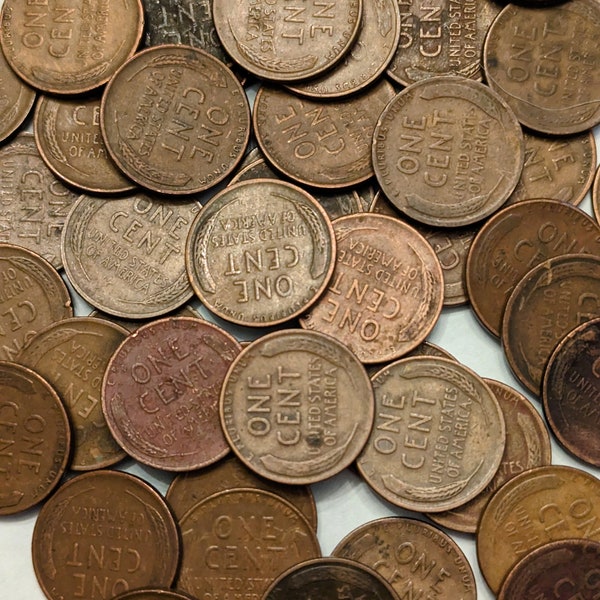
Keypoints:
pixel 35 438
pixel 418 559
pixel 571 392
pixel 527 446
pixel 386 292
pixel 34 204
pixel 69 139
pixel 103 533
pixel 175 119
pixel 545 64
pixel 447 151
pixel 553 502
pixel 66 47
pixel 260 252
pixel 72 356
pixel 551 299
pixel 438 435
pixel 516 239
pixel 297 406
pixel 319 143
pixel 32 296
pixel 126 255
pixel 241 538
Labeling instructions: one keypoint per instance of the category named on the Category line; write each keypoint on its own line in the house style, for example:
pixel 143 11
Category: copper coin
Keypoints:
pixel 72 355
pixel 399 548
pixel 161 389
pixel 175 119
pixel 551 299
pixel 386 292
pixel 126 255
pixel 545 64
pixel 101 534
pixel 241 538
pixel 438 435
pixel 260 252
pixel 35 438
pixel 571 392
pixel 280 42
pixel 69 139
pixel 34 204
pixel 549 503
pixel 516 239
pixel 447 151
pixel 297 406
pixel 319 143
pixel 32 296
pixel 66 47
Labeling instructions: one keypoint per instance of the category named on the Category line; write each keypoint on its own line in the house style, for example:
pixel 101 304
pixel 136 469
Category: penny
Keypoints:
pixel 72 356
pixel 175 119
pixel 319 143
pixel 386 291
pixel 126 255
pixel 32 296
pixel 246 536
pixel 64 47
pixel 160 393
pixel 260 252
pixel 35 436
pixel 101 534
pixel 69 140
pixel 447 151
pixel 552 298
pixel 398 548
pixel 296 406
pixel 553 502
pixel 545 64
pixel 516 239
pixel 34 204
pixel 571 392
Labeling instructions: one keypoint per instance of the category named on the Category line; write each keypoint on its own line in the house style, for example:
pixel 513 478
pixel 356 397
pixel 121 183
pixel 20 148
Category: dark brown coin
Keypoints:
pixel 319 143
pixel 175 119
pixel 516 239
pixel 160 393
pixel 102 534
pixel 32 296
pixel 35 438
pixel 72 356
pixel 66 47
pixel 571 392
pixel 545 64
pixel 386 292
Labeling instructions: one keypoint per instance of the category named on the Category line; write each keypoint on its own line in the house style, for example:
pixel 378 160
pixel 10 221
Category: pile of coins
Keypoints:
pixel 325 180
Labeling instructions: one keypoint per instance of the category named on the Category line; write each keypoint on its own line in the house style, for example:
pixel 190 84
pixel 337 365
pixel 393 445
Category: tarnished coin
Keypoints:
pixel 160 393
pixel 35 438
pixel 386 291
pixel 399 548
pixel 438 435
pixel 32 296
pixel 516 239
pixel 545 64
pixel 260 252
pixel 447 151
pixel 319 143
pixel 297 406
pixel 175 119
pixel 101 534
pixel 66 46
pixel 126 255
pixel 549 301
pixel 72 356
